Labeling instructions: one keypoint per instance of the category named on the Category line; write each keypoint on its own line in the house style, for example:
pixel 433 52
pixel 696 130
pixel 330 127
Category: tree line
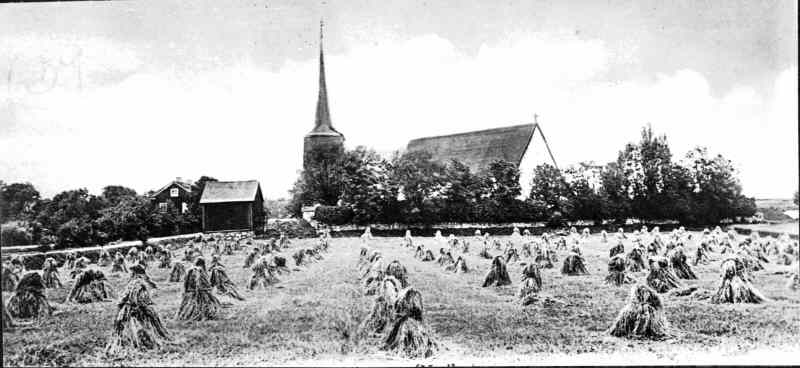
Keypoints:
pixel 645 182
pixel 77 218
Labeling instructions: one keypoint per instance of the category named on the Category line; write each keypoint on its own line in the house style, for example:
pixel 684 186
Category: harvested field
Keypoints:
pixel 308 317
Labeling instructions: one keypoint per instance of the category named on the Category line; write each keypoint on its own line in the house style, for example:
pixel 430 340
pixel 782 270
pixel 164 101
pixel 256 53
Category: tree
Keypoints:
pixel 504 179
pixel 17 201
pixel 113 194
pixel 297 197
pixel 549 187
pixel 420 181
pixel 501 203
pixel 584 202
pixel 644 166
pixel 322 177
pixel 14 233
pixel 276 208
pixel 796 198
pixel 716 191
pixel 69 216
pixel 676 200
pixel 462 192
pixel 364 176
pixel 190 220
pixel 613 193
pixel 128 219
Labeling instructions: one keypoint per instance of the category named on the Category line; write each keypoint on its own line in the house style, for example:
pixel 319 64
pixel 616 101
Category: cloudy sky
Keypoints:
pixel 139 92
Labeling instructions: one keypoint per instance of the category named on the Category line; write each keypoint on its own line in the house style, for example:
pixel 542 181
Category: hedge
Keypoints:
pixel 298 228
pixel 333 215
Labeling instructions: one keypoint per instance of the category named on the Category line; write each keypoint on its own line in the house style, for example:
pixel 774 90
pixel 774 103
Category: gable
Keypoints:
pixel 164 192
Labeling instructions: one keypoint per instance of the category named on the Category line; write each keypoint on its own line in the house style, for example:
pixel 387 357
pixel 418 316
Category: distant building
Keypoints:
pixel 480 148
pixel 589 171
pixel 176 195
pixel 308 213
pixel 323 144
pixel 232 206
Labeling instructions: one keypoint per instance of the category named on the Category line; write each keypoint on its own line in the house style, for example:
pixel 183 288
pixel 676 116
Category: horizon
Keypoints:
pixel 137 94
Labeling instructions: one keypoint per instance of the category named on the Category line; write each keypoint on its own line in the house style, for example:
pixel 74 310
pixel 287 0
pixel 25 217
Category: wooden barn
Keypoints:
pixel 176 195
pixel 232 206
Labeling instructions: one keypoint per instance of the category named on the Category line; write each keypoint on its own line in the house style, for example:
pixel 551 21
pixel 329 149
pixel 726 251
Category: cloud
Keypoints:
pixel 243 121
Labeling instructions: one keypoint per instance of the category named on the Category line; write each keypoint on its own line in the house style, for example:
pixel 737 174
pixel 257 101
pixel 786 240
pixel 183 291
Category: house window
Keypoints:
pixel 173 192
pixel 184 207
pixel 162 206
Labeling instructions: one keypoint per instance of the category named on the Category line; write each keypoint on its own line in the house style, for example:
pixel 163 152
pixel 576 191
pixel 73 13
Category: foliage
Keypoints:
pixel 584 202
pixel 421 183
pixel 295 228
pixel 550 188
pixel 76 218
pixel 463 193
pixel 715 190
pixel 616 203
pixel 15 233
pixel 131 218
pixel 69 216
pixel 190 220
pixel 333 215
pixel 276 208
pixel 363 181
pixel 17 200
pixel 113 194
pixel 644 168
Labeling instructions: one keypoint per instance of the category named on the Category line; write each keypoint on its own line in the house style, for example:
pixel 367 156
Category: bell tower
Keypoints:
pixel 323 142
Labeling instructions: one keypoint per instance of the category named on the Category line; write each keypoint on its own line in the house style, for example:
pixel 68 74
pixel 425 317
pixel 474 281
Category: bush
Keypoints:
pixel 556 220
pixel 297 228
pixel 13 233
pixel 333 215
pixel 75 233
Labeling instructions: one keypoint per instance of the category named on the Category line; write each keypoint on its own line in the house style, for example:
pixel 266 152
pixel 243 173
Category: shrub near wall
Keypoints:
pixel 298 228
pixel 13 233
pixel 333 215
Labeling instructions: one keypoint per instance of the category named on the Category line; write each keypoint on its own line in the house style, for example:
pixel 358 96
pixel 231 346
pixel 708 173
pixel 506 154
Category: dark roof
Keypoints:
pixel 230 191
pixel 185 186
pixel 479 148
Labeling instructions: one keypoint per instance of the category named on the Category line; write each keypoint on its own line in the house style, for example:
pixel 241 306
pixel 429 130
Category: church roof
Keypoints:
pixel 322 122
pixel 230 191
pixel 479 148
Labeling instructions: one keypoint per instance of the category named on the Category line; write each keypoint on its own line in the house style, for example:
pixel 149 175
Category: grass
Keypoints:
pixel 309 318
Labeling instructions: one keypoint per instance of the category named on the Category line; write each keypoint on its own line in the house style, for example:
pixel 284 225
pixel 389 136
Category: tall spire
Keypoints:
pixel 322 123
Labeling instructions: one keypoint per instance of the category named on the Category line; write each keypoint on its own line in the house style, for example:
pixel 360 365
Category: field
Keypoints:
pixel 308 317
pixel 789 227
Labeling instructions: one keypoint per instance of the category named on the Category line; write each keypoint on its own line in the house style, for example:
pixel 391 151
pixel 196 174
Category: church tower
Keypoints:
pixel 323 144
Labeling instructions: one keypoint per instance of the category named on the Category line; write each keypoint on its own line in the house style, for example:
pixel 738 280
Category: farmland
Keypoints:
pixel 309 318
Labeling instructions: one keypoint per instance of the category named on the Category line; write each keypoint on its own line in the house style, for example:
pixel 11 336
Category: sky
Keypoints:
pixel 137 93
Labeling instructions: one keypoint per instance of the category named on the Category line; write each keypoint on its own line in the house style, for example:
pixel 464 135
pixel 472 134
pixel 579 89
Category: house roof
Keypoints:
pixel 185 186
pixel 479 148
pixel 230 191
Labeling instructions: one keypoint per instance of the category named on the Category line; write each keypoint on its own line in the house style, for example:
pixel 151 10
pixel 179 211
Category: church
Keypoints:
pixel 478 149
